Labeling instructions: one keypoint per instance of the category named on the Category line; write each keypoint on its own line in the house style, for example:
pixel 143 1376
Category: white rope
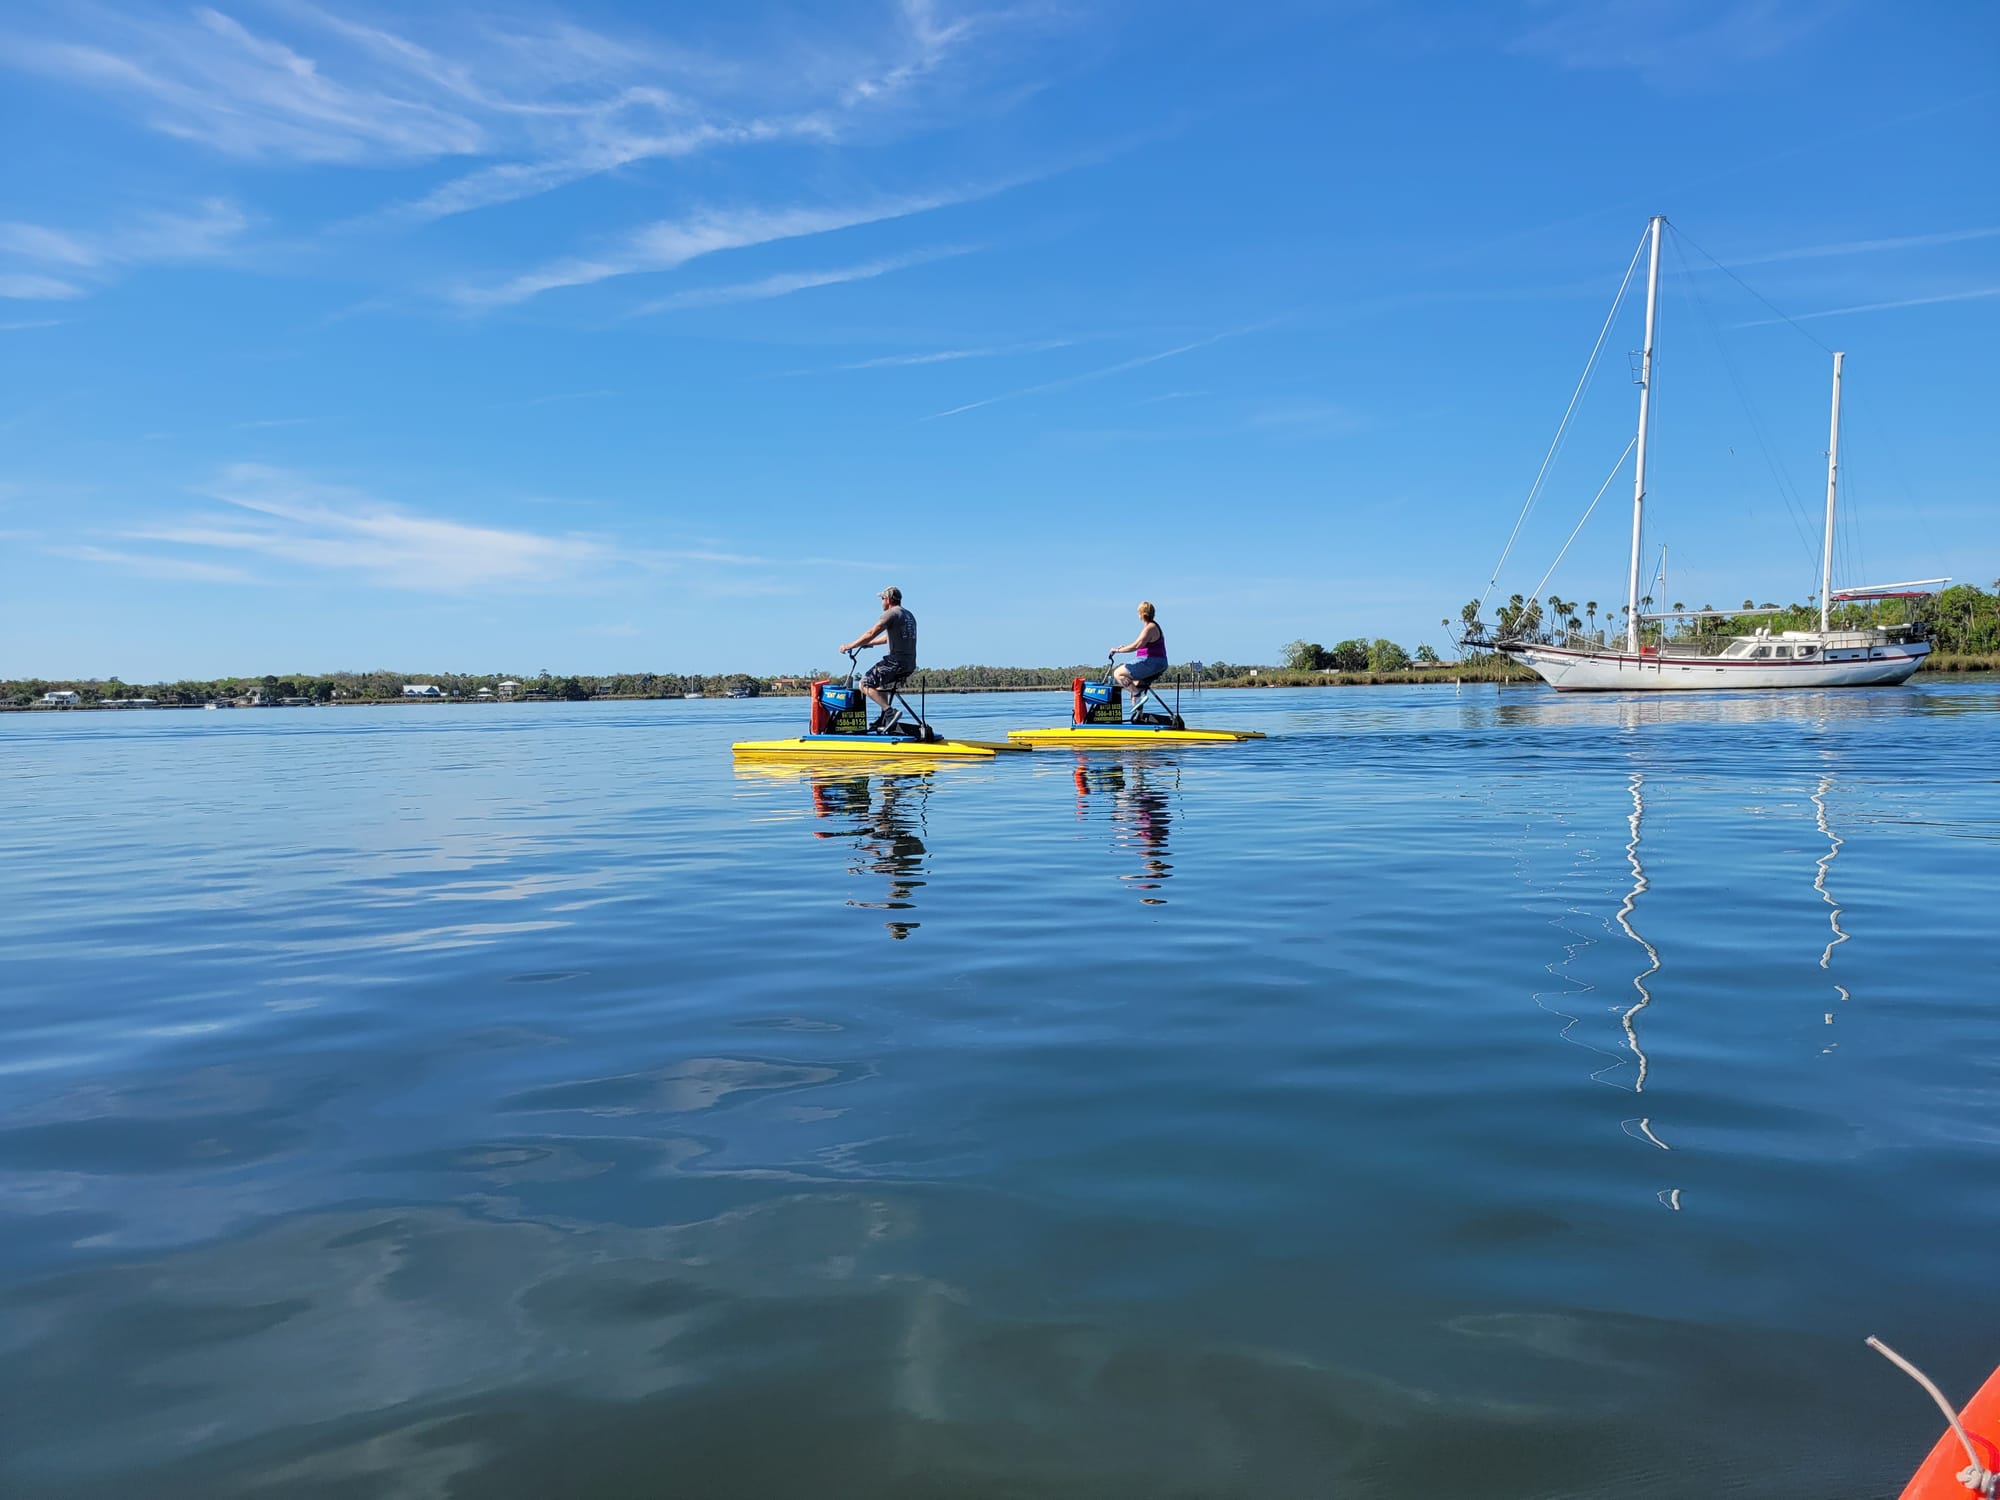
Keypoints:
pixel 1974 1476
pixel 1562 427
pixel 1586 515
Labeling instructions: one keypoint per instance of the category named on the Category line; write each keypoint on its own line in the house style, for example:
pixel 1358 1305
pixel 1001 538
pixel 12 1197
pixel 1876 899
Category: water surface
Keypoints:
pixel 1536 1093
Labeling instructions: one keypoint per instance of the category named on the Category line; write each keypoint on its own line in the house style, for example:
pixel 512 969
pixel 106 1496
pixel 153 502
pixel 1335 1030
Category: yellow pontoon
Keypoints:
pixel 1126 736
pixel 845 747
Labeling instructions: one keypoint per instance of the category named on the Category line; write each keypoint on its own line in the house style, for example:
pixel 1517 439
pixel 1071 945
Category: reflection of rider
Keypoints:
pixel 1150 646
pixel 1145 813
pixel 898 627
pixel 887 835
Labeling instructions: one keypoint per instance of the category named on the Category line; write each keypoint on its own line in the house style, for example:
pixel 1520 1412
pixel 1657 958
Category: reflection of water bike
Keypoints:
pixel 838 726
pixel 1098 719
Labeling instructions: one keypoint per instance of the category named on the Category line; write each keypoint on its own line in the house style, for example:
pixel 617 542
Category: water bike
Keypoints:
pixel 838 729
pixel 1098 721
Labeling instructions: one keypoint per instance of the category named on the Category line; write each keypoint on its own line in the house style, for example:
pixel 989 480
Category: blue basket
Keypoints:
pixel 839 700
pixel 1100 692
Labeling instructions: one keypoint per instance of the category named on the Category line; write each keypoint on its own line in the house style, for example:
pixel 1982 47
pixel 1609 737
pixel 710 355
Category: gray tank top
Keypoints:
pixel 902 637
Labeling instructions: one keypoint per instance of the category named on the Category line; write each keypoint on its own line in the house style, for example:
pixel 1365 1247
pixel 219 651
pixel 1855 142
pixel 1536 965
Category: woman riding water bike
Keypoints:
pixel 1150 650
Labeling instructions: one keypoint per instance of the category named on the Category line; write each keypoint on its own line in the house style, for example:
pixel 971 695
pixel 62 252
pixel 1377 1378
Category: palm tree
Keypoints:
pixel 1590 608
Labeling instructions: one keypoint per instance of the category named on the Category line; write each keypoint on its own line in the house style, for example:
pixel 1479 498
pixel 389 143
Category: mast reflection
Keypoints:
pixel 1141 797
pixel 1640 885
pixel 1822 867
pixel 1642 1127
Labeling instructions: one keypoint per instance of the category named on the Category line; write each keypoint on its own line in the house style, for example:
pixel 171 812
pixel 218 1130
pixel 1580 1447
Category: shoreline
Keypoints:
pixel 1973 667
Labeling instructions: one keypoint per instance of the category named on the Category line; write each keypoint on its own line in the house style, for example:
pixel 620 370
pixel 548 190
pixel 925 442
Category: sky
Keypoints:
pixel 636 337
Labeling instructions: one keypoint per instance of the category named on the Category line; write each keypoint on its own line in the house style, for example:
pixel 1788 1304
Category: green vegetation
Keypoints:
pixel 379 687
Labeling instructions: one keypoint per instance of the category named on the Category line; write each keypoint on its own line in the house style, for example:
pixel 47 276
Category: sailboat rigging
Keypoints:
pixel 1573 661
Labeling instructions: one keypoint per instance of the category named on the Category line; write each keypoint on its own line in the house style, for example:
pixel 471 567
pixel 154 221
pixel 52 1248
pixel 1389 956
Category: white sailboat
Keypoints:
pixel 1871 656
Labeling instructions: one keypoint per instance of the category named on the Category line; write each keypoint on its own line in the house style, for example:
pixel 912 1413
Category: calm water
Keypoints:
pixel 1541 1095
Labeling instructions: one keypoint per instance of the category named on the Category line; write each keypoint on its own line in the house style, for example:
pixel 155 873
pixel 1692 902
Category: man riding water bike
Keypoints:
pixel 898 627
pixel 1150 648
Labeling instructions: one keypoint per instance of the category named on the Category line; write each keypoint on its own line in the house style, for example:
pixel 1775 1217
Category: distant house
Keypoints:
pixel 422 690
pixel 509 688
pixel 62 698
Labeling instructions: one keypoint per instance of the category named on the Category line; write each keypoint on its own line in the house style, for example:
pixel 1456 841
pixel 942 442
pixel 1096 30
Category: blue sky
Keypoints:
pixel 614 337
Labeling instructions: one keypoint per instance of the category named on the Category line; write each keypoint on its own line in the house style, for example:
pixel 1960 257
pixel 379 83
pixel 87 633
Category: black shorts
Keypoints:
pixel 886 674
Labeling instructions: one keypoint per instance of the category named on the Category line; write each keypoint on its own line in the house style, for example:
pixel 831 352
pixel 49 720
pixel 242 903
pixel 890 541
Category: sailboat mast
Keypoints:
pixel 1832 479
pixel 1645 414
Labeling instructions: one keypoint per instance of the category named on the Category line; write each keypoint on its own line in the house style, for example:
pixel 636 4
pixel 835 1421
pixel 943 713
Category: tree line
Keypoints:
pixel 386 686
pixel 380 686
pixel 1357 655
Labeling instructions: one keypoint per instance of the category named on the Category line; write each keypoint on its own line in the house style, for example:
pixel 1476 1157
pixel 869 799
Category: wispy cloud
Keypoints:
pixel 943 356
pixel 537 104
pixel 265 422
pixel 212 227
pixel 932 41
pixel 1867 247
pixel 28 287
pixel 25 324
pixel 1672 44
pixel 669 244
pixel 149 566
pixel 1972 295
pixel 332 529
pixel 786 283
pixel 293 520
pixel 1107 370
pixel 208 78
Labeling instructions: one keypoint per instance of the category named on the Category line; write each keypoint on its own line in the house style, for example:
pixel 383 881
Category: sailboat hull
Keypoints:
pixel 1571 671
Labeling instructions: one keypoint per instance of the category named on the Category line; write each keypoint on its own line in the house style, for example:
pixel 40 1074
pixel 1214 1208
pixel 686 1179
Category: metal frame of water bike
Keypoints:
pixel 920 728
pixel 1166 719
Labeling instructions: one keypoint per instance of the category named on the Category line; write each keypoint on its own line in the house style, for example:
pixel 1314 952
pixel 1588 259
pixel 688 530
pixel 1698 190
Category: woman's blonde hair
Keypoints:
pixel 1146 609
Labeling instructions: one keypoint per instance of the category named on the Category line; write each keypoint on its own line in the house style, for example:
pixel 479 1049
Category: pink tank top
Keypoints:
pixel 1158 648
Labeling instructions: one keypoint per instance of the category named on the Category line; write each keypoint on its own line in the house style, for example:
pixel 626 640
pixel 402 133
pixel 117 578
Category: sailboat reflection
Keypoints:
pixel 1822 867
pixel 1141 795
pixel 1629 1018
pixel 883 815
